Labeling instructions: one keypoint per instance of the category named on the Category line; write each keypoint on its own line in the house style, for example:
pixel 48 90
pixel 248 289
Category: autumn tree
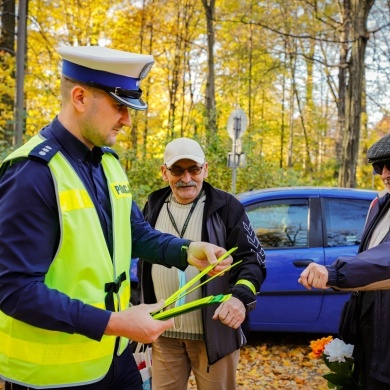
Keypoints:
pixel 359 11
pixel 210 105
pixel 288 65
pixel 7 68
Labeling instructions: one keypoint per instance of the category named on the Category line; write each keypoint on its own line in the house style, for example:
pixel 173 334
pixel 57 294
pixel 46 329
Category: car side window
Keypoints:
pixel 281 223
pixel 344 219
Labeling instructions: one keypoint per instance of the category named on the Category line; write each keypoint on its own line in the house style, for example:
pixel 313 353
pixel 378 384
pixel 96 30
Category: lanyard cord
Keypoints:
pixel 188 216
pixel 181 274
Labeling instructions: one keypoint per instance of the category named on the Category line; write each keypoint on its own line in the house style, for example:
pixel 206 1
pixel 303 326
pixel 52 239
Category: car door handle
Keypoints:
pixel 302 263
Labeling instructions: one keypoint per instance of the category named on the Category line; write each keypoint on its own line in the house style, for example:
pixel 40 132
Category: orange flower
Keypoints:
pixel 318 346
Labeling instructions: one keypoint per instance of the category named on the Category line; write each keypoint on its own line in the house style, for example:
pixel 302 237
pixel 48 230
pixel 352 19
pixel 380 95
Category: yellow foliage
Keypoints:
pixel 252 70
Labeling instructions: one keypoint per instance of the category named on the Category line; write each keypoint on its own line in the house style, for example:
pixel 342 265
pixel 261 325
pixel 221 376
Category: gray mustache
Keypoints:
pixel 181 184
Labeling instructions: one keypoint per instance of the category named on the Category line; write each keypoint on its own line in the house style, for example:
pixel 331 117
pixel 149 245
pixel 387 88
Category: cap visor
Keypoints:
pixel 136 104
pixel 197 159
pixel 376 159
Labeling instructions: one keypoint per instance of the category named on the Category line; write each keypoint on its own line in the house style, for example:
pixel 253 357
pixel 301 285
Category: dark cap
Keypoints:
pixel 380 151
pixel 117 72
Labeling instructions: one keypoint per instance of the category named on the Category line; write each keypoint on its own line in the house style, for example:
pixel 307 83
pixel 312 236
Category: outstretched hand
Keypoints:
pixel 315 275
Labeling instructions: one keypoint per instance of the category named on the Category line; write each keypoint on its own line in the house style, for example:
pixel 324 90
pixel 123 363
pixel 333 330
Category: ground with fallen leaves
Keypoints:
pixel 273 361
pixel 278 361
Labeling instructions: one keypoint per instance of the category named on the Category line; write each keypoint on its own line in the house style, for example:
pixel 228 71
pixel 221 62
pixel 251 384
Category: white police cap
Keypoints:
pixel 117 72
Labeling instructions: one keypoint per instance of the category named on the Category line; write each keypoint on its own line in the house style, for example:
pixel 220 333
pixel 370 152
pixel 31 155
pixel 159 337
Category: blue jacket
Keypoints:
pixel 225 223
pixel 366 269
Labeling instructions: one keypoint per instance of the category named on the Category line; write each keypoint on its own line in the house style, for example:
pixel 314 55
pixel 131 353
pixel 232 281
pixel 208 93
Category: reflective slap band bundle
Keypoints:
pixel 160 314
pixel 190 306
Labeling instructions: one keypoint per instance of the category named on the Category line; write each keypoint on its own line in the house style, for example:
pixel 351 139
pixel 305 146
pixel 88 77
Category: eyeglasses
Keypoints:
pixel 177 171
pixel 378 166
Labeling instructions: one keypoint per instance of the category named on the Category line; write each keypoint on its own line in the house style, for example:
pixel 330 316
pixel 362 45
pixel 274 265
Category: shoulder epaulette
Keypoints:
pixel 106 149
pixel 45 151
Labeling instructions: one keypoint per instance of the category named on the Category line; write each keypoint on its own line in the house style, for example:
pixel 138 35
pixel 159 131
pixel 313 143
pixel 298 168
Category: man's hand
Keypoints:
pixel 137 324
pixel 315 275
pixel 230 312
pixel 202 254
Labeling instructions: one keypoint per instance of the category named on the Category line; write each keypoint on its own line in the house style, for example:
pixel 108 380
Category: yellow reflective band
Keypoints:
pixel 190 306
pixel 74 200
pixel 248 284
pixel 55 354
pixel 121 190
pixel 182 291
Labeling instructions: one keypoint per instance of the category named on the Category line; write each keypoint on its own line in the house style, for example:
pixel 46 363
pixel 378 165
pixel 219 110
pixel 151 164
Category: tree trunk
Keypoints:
pixel 290 152
pixel 359 36
pixel 7 50
pixel 211 123
pixel 282 126
pixel 341 102
pixel 21 60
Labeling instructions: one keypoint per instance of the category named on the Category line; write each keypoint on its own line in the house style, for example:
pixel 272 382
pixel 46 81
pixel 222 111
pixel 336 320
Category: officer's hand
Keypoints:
pixel 137 324
pixel 202 254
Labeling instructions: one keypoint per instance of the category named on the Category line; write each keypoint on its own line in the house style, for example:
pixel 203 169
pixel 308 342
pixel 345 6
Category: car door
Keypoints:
pixel 344 220
pixel 283 227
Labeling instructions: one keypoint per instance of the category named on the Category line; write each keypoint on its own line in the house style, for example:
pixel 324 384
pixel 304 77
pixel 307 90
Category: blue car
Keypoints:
pixel 297 226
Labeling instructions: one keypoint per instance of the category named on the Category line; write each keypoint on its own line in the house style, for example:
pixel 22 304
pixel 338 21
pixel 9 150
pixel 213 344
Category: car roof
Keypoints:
pixel 302 191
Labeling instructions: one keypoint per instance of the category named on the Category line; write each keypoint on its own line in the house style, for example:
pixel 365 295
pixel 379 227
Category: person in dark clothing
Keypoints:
pixel 208 340
pixel 368 272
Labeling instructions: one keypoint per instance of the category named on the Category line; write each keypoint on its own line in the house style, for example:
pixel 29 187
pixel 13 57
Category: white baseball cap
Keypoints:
pixel 183 148
pixel 117 72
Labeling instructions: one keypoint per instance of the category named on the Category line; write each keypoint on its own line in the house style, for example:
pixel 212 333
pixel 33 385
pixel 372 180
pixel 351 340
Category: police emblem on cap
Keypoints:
pixel 117 72
pixel 145 71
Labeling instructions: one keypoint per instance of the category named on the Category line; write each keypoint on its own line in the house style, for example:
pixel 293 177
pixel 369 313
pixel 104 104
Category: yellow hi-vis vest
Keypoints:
pixel 82 269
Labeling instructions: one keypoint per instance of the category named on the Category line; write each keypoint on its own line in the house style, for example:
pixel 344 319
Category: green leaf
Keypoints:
pixel 343 368
pixel 341 381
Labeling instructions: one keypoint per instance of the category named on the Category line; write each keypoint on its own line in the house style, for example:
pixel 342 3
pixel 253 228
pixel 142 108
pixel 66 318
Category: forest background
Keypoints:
pixel 311 76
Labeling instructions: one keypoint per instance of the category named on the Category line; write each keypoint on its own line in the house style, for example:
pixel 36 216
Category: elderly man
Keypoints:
pixel 369 270
pixel 68 228
pixel 206 341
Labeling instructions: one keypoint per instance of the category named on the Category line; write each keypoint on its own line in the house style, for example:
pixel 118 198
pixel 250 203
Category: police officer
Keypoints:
pixel 68 229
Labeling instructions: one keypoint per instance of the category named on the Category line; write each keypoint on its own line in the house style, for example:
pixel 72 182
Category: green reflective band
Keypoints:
pixel 190 306
pixel 181 292
pixel 183 254
pixel 248 284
